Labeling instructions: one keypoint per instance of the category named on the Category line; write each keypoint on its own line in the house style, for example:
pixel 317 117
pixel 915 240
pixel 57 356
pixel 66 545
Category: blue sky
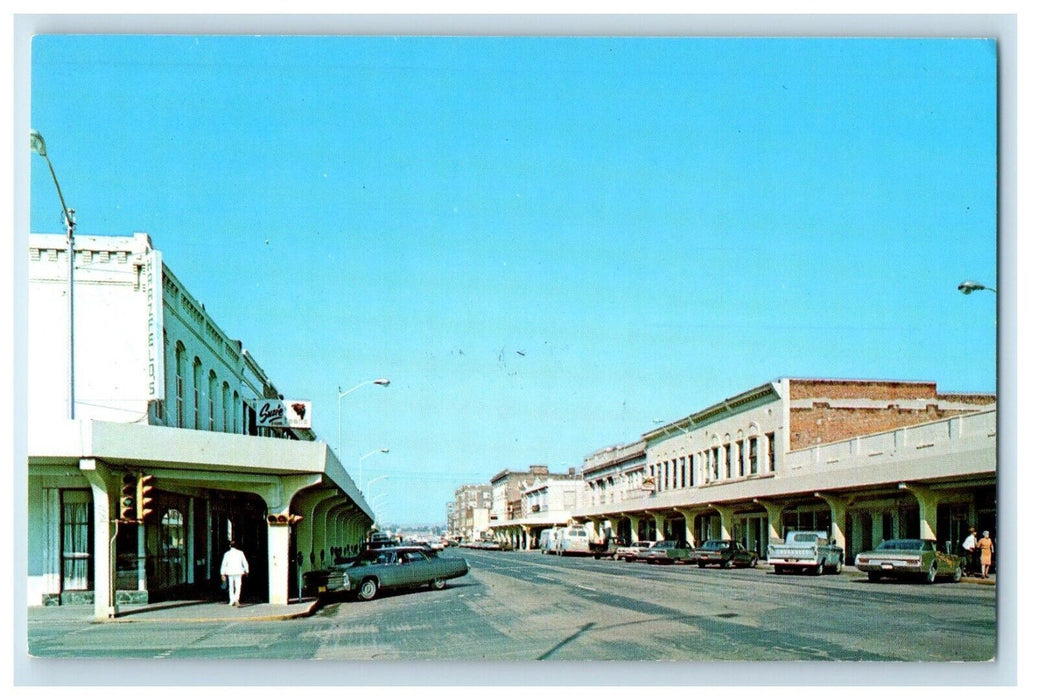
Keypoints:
pixel 545 244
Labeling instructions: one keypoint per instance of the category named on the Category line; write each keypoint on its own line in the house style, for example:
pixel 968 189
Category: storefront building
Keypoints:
pixel 866 460
pixel 159 391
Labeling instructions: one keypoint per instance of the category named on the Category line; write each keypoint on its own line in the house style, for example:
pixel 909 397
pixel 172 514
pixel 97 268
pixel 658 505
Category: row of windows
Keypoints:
pixel 217 408
pixel 734 460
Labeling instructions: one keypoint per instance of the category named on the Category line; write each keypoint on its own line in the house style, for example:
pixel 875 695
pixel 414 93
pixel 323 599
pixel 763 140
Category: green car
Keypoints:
pixel 909 558
pixel 387 568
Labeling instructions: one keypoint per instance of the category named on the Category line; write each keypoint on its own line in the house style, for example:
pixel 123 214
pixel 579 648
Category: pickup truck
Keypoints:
pixel 806 550
pixel 605 547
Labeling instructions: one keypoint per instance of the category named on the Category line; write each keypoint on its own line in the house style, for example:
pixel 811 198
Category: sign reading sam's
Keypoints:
pixel 277 413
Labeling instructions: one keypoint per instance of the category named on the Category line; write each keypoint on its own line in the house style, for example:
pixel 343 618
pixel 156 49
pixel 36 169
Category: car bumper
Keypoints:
pixel 889 567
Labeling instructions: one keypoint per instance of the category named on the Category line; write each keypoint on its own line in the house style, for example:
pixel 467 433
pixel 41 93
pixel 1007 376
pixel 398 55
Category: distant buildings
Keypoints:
pixel 471 512
pixel 867 460
pixel 162 392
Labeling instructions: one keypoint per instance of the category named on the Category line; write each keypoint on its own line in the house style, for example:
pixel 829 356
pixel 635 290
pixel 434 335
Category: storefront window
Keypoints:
pixel 75 541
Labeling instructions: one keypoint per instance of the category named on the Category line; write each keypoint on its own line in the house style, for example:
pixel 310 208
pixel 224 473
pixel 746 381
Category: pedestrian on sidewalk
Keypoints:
pixel 986 548
pixel 969 550
pixel 233 567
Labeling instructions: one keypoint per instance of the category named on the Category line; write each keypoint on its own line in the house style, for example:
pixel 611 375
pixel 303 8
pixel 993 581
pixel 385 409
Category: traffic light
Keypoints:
pixel 128 498
pixel 144 488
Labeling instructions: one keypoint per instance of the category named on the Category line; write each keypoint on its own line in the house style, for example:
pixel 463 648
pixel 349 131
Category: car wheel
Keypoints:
pixel 779 570
pixel 727 564
pixel 839 566
pixel 957 576
pixel 701 565
pixel 874 576
pixel 931 575
pixel 439 584
pixel 820 569
pixel 368 589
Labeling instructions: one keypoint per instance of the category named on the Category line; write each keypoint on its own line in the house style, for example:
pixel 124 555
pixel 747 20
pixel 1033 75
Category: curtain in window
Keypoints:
pixel 75 545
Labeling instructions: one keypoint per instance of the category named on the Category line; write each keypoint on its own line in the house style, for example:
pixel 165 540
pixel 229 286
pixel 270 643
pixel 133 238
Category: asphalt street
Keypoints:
pixel 524 606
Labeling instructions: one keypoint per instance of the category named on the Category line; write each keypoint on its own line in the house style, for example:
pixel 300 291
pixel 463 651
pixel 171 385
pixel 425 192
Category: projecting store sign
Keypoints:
pixel 276 413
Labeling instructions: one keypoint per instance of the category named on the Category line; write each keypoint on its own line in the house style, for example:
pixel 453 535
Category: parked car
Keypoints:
pixel 806 550
pixel 386 568
pixel 548 538
pixel 633 551
pixel 573 540
pixel 606 547
pixel 668 552
pixel 723 553
pixel 910 558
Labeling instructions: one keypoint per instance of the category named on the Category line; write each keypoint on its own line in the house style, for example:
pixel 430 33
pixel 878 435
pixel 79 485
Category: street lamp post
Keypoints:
pixel 379 382
pixel 360 463
pixel 37 144
pixel 372 481
pixel 969 286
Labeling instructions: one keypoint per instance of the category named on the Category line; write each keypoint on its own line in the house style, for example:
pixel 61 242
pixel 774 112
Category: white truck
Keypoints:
pixel 806 550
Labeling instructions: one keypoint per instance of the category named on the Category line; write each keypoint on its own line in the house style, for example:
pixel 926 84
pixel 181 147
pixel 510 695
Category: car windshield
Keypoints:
pixel 375 556
pixel 665 544
pixel 907 545
pixel 805 537
pixel 715 544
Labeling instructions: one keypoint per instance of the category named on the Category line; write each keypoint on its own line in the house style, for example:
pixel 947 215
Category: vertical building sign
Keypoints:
pixel 156 349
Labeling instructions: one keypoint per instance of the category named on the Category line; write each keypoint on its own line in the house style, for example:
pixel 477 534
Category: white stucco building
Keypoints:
pixel 160 390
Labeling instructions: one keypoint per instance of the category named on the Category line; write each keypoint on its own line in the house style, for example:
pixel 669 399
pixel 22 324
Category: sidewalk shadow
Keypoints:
pixel 171 605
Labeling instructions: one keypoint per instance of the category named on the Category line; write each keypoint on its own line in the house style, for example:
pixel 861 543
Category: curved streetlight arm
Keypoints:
pixel 380 382
pixel 38 145
pixel 372 481
pixel 360 462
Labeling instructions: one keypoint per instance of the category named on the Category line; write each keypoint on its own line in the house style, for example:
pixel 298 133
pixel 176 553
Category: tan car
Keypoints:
pixel 909 558
pixel 634 551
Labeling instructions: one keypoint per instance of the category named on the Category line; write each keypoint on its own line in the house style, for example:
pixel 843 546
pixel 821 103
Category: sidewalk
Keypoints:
pixel 180 611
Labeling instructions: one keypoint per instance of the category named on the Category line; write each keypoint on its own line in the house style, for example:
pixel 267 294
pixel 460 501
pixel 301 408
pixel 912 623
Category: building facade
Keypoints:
pixel 160 391
pixel 515 494
pixel 471 511
pixel 866 460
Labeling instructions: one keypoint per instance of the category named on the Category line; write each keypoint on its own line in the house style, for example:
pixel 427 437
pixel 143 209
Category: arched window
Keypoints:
pixel 211 399
pixel 180 384
pixel 237 413
pixel 226 403
pixel 172 569
pixel 197 379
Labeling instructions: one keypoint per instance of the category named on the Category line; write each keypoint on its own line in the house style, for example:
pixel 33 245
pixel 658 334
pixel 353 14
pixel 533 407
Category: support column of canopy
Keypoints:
pixel 636 522
pixel 659 522
pixel 927 499
pixel 278 498
pixel 322 517
pixel 614 526
pixel 310 505
pixel 526 537
pixel 838 514
pixel 727 520
pixel 104 487
pixel 690 514
pixel 774 511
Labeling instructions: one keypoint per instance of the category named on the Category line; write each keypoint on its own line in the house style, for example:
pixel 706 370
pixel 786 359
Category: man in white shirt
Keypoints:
pixel 969 550
pixel 232 568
